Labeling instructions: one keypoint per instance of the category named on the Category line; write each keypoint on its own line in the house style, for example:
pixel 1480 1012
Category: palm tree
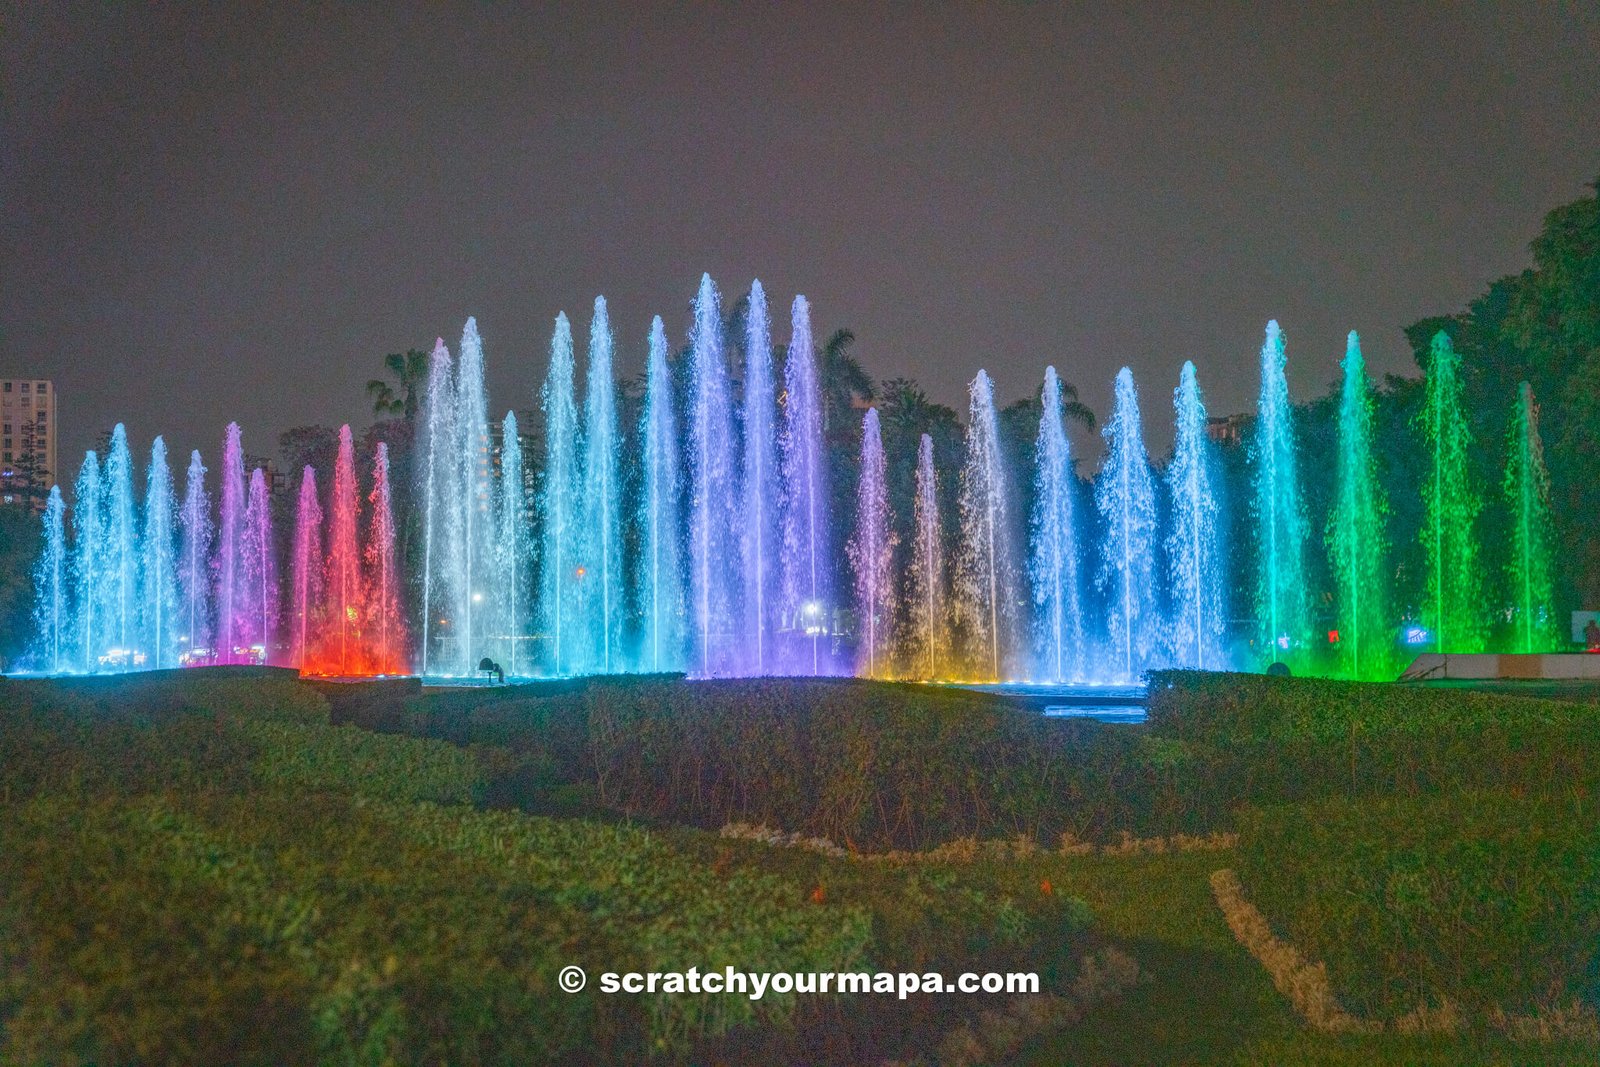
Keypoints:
pixel 843 379
pixel 410 371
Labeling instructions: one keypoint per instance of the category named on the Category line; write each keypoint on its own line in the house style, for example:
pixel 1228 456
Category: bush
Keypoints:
pixel 183 881
pixel 870 764
pixel 1253 739
pixel 182 730
pixel 1484 899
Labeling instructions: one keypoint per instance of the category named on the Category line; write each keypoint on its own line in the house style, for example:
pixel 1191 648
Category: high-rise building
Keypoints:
pixel 27 440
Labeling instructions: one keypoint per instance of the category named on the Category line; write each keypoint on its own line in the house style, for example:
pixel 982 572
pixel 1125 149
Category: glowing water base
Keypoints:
pixel 734 515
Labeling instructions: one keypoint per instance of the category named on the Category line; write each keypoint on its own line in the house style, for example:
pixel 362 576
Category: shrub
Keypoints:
pixel 1251 739
pixel 1484 899
pixel 261 886
pixel 868 764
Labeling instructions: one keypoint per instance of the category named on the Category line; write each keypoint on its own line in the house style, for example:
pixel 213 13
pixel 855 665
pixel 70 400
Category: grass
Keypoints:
pixel 1205 999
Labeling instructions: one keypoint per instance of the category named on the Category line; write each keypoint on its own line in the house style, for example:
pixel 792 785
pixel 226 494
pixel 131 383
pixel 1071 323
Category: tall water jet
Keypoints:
pixel 928 643
pixel 260 568
pixel 713 504
pixel 344 566
pixel 660 581
pixel 385 625
pixel 601 586
pixel 513 547
pixel 89 559
pixel 160 577
pixel 758 525
pixel 872 553
pixel 50 598
pixel 194 577
pixel 122 548
pixel 807 597
pixel 230 547
pixel 1054 567
pixel 1449 543
pixel 1125 496
pixel 985 572
pixel 470 527
pixel 1356 535
pixel 307 593
pixel 439 402
pixel 1530 573
pixel 1194 547
pixel 559 507
pixel 1280 518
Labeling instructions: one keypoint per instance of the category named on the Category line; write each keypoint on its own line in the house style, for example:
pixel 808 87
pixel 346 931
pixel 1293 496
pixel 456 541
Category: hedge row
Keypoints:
pixel 1484 899
pixel 183 882
pixel 870 765
pixel 196 733
pixel 1259 740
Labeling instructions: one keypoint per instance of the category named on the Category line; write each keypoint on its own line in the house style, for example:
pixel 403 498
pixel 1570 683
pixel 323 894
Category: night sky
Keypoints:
pixel 233 213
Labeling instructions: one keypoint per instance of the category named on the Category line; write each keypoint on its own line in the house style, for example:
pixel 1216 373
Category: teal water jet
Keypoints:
pixel 159 595
pixel 558 555
pixel 660 570
pixel 1281 612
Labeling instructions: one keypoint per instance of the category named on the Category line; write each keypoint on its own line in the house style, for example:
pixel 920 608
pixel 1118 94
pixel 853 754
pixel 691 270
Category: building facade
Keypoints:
pixel 28 460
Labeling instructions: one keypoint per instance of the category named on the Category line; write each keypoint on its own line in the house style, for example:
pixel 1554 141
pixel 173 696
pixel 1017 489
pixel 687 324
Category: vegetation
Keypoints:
pixel 237 866
pixel 1482 899
pixel 195 870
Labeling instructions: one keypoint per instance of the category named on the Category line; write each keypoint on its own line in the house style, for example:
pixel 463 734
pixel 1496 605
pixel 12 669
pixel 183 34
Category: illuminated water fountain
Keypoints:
pixel 513 551
pixel 88 563
pixel 1452 612
pixel 1054 569
pixel 659 591
pixel 807 608
pixel 1527 488
pixel 159 594
pixel 1194 543
pixel 1280 519
pixel 929 633
pixel 872 552
pixel 306 600
pixel 194 581
pixel 600 496
pixel 559 509
pixel 986 596
pixel 1356 538
pixel 713 532
pixel 696 536
pixel 1125 496
pixel 50 580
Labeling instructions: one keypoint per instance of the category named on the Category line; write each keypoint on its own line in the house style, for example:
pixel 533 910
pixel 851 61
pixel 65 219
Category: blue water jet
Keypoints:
pixel 1125 496
pixel 1194 546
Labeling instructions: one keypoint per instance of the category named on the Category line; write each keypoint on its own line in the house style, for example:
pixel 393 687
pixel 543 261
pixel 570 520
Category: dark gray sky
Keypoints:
pixel 213 212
